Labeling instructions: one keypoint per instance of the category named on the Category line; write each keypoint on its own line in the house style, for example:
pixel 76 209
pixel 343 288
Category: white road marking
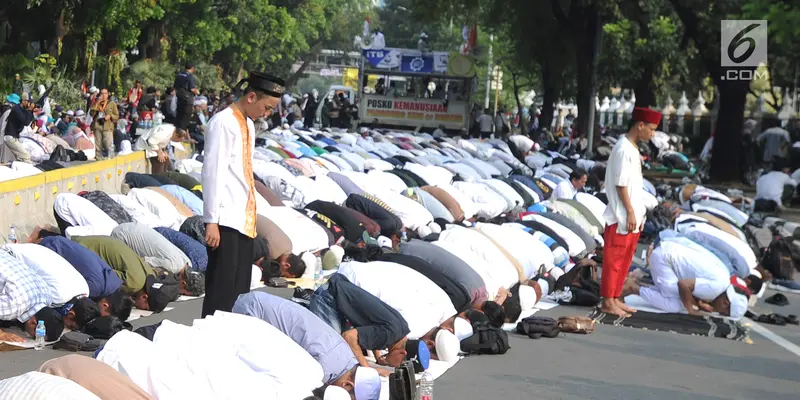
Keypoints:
pixel 774 337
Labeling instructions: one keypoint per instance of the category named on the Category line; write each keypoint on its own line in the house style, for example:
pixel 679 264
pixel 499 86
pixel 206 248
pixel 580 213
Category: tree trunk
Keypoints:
pixel 549 93
pixel 519 103
pixel 643 87
pixel 292 80
pixel 727 142
pixel 588 40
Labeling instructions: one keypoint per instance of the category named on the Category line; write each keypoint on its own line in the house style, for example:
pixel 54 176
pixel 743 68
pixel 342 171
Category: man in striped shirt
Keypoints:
pixel 24 300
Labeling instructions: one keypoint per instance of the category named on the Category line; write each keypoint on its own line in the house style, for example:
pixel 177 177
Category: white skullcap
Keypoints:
pixel 367 384
pixel 384 241
pixel 70 113
pixel 545 285
pixel 336 393
pixel 310 260
pixel 568 267
pixel 556 273
pixel 527 297
pixel 738 303
pixel 462 328
pixel 447 346
pixel 424 231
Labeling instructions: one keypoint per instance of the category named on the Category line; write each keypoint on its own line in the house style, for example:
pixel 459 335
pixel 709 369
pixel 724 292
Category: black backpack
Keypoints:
pixel 486 339
pixel 778 259
pixel 536 327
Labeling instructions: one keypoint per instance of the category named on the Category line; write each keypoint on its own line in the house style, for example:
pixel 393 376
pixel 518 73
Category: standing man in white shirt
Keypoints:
pixel 229 206
pixel 624 215
pixel 568 189
pixel 775 187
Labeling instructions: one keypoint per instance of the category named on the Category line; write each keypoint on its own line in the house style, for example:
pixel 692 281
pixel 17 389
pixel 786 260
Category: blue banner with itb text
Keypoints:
pixel 417 63
pixel 384 59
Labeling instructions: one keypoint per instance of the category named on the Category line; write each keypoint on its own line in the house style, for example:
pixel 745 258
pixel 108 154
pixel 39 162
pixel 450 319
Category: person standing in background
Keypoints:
pixel 105 116
pixel 19 88
pixel 185 89
pixel 486 123
pixel 134 95
pixel 624 215
pixel 229 196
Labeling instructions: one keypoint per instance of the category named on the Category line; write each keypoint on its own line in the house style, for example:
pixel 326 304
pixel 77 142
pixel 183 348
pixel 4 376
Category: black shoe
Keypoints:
pixel 778 299
pixel 303 294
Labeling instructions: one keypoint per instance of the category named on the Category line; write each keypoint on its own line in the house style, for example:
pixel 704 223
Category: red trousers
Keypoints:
pixel 618 253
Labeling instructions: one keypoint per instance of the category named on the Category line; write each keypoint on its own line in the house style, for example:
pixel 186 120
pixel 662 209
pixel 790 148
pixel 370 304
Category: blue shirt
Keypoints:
pixel 305 328
pixel 186 197
pixel 193 249
pixel 102 280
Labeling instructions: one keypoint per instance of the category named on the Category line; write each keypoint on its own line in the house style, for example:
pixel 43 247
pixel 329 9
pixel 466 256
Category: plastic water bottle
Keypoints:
pixel 426 386
pixel 12 235
pixel 40 335
pixel 404 237
pixel 318 273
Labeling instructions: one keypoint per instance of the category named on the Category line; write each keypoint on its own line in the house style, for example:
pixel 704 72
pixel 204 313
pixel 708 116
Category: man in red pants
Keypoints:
pixel 626 209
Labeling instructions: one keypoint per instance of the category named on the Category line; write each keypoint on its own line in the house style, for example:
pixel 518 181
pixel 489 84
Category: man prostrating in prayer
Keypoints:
pixel 229 206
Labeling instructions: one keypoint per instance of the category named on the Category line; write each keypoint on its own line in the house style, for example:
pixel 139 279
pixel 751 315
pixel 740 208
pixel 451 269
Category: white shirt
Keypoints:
pixel 422 303
pixel 490 275
pixel 171 372
pixel 158 205
pixel 512 198
pixel 138 212
pixel 464 201
pixel 741 256
pixel 265 169
pixel 529 252
pixel 564 190
pixel 155 139
pixel 500 267
pixel 770 186
pixel 385 180
pixel 78 211
pixel 413 214
pixel 330 189
pixel 306 235
pixel 575 244
pixel 489 204
pixel 225 186
pixel 64 282
pixel 264 350
pixel 677 259
pixel 624 169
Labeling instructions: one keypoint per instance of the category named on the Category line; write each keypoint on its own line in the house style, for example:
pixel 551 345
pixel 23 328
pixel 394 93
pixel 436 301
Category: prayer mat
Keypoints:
pixel 677 323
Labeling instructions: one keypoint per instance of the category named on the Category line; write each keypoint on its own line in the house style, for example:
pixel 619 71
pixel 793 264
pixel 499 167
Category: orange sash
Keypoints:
pixel 247 167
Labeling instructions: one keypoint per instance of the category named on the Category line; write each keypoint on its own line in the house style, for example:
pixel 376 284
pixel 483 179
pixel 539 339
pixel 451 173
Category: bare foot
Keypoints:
pixel 609 306
pixel 625 307
pixel 630 287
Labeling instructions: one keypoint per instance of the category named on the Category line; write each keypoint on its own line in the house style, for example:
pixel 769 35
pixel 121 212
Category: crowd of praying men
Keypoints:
pixel 421 239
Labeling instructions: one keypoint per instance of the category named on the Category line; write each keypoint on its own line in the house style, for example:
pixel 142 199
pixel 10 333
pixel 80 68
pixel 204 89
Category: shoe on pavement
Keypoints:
pixel 785 286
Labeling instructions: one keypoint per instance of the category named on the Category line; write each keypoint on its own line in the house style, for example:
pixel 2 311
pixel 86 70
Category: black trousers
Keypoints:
pixel 229 270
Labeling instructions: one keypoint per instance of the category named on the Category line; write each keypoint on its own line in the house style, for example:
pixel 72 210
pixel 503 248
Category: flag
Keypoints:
pixel 473 36
pixel 366 34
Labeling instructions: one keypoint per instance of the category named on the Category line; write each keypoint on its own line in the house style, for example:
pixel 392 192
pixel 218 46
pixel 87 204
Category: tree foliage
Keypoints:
pixel 235 35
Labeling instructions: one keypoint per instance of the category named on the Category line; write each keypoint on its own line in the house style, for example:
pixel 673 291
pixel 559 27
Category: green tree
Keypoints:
pixel 643 50
pixel 702 24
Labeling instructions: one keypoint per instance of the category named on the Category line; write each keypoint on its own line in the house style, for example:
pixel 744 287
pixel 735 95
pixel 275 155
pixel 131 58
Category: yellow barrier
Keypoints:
pixel 28 202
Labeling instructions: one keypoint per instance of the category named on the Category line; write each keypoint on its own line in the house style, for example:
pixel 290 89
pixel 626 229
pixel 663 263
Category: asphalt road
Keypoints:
pixel 612 363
